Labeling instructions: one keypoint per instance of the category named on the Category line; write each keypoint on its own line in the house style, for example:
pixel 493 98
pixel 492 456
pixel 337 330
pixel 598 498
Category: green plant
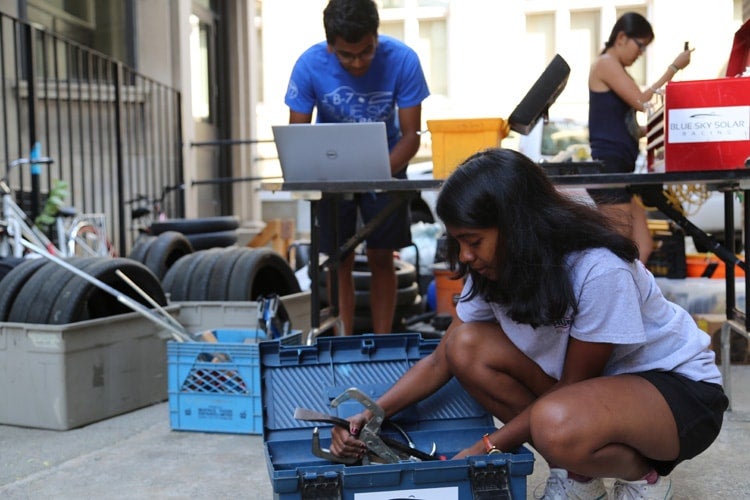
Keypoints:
pixel 55 200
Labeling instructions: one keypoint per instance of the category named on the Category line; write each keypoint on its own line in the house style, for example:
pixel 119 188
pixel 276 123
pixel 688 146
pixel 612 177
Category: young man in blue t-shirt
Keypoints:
pixel 357 75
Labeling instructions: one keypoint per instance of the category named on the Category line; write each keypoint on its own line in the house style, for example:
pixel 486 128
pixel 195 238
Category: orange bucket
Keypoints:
pixel 447 292
pixel 709 266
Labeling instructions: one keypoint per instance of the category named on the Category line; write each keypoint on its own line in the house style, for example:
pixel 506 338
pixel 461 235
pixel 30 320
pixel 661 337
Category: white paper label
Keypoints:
pixel 45 340
pixel 447 493
pixel 719 124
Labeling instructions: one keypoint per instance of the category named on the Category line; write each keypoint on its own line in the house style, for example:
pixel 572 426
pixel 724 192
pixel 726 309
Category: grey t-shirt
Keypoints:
pixel 618 303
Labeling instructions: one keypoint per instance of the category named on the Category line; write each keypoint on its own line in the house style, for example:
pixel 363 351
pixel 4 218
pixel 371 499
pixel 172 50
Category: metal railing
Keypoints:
pixel 113 133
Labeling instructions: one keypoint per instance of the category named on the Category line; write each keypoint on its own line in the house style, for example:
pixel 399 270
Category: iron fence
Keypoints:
pixel 114 134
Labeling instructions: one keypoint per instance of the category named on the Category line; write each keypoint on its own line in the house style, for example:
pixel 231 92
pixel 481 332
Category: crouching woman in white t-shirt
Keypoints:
pixel 564 336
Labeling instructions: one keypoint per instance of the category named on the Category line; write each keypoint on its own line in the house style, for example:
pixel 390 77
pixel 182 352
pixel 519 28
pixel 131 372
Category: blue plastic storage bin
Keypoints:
pixel 215 387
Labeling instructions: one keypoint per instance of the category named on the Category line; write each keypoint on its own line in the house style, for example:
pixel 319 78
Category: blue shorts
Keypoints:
pixel 612 196
pixel 698 409
pixel 393 233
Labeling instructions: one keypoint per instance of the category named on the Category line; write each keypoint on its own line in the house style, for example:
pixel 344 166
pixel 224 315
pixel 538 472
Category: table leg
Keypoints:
pixel 314 268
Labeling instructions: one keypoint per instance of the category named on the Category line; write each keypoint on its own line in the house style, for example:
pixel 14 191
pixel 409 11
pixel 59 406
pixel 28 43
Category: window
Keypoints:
pixel 584 44
pixel 540 36
pixel 199 69
pixel 102 25
pixel 421 24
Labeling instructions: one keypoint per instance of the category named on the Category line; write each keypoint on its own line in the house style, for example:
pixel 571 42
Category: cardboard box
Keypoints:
pixel 312 376
pixel 738 344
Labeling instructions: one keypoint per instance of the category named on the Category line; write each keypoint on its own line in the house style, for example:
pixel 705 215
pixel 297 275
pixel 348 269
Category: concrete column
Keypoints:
pixel 243 49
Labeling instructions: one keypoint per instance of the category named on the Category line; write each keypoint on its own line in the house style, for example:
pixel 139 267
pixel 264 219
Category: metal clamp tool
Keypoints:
pixel 370 433
pixel 386 449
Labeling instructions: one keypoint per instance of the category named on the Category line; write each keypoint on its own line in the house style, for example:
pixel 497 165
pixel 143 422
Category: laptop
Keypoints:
pixel 333 152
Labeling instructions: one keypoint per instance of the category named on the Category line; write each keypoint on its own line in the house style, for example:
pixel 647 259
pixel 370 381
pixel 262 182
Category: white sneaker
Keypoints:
pixel 641 490
pixel 559 487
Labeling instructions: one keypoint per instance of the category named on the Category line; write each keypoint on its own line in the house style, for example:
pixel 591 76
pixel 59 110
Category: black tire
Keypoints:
pixel 177 280
pixel 44 289
pixel 196 226
pixel 219 239
pixel 218 284
pixel 7 264
pixel 140 250
pixel 199 279
pixel 40 292
pixel 404 296
pixel 298 253
pixel 174 272
pixel 406 273
pixel 261 271
pixel 165 250
pixel 80 300
pixel 14 281
pixel 363 317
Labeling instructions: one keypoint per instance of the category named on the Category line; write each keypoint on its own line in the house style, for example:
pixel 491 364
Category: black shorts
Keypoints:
pixel 612 196
pixel 698 409
pixel 393 233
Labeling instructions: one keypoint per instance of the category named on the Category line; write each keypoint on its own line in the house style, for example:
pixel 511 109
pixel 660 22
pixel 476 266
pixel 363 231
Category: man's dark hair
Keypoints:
pixel 351 20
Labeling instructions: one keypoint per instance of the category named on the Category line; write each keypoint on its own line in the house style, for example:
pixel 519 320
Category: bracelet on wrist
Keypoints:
pixel 490 448
pixel 674 68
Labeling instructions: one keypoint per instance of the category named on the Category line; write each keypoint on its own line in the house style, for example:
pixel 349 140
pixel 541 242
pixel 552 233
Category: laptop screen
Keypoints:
pixel 333 152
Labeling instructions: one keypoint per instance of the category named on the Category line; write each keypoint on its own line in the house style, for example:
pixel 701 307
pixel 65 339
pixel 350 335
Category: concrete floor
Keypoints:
pixel 137 456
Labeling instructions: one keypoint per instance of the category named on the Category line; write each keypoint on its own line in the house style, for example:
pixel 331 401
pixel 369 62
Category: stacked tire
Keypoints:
pixel 159 253
pixel 45 292
pixel 202 233
pixel 408 297
pixel 229 274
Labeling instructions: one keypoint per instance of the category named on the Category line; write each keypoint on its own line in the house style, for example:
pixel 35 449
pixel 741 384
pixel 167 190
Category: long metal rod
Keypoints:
pixel 152 302
pixel 177 334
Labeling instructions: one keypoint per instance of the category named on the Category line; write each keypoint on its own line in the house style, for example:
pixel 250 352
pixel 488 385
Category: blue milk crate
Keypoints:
pixel 312 376
pixel 215 387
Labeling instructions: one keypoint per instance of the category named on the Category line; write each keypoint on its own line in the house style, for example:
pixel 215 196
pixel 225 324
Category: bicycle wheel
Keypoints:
pixel 90 241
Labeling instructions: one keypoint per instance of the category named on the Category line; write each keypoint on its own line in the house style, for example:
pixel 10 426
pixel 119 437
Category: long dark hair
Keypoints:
pixel 538 227
pixel 351 20
pixel 633 25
